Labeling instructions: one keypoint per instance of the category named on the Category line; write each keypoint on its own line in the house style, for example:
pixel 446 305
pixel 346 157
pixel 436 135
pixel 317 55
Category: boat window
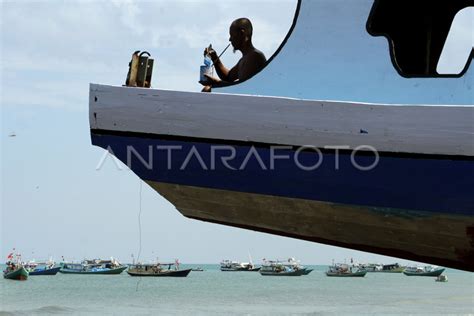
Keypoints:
pixel 272 24
pixel 427 38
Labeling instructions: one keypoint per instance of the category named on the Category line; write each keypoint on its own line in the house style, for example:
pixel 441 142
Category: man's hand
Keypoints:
pixel 206 89
pixel 212 53
pixel 210 81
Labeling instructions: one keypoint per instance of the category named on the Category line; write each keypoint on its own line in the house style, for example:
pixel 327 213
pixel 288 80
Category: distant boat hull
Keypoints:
pixel 358 274
pixel 396 270
pixel 101 271
pixel 52 271
pixel 434 273
pixel 284 273
pixel 19 274
pixel 164 273
pixel 239 269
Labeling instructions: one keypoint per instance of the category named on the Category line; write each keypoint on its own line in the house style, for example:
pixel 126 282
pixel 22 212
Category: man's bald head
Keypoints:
pixel 240 33
pixel 243 24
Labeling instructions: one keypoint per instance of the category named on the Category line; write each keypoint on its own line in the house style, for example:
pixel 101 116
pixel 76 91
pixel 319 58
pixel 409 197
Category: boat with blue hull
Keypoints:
pixel 45 271
pixel 42 268
pixel 261 191
pixel 291 163
pixel 95 266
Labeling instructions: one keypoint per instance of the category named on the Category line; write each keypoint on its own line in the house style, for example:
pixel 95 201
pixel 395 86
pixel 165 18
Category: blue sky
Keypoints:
pixel 54 201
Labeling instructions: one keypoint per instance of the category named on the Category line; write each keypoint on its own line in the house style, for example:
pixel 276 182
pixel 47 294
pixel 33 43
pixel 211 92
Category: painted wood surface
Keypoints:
pixel 330 55
pixel 435 238
pixel 423 129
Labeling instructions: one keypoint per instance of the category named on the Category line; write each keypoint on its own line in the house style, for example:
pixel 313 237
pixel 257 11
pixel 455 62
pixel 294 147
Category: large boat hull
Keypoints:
pixel 417 202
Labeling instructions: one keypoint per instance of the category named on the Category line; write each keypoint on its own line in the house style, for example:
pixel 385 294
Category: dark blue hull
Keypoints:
pixel 414 206
pixel 51 271
pixel 428 183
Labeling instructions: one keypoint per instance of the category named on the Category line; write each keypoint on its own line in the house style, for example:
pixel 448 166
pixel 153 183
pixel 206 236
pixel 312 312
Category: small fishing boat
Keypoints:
pixel 283 268
pixel 15 269
pixel 345 270
pixel 370 267
pixel 228 265
pixel 42 268
pixel 296 265
pixel 392 268
pixel 423 271
pixel 198 269
pixel 441 278
pixel 15 272
pixel 95 266
pixel 158 270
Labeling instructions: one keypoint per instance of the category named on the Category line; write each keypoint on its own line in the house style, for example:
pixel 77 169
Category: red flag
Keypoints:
pixel 10 256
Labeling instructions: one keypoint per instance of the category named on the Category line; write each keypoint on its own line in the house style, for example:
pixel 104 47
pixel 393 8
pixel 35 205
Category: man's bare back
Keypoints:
pixel 250 64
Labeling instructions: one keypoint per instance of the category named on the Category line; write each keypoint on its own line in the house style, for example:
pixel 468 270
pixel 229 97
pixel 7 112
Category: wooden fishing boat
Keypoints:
pixel 344 270
pixel 423 271
pixel 198 269
pixel 42 268
pixel 288 161
pixel 283 268
pixel 18 272
pixel 392 268
pixel 45 271
pixel 95 266
pixel 233 266
pixel 158 270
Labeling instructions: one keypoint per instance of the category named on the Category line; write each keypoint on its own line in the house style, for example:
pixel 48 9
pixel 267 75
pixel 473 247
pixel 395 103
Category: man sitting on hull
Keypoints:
pixel 252 60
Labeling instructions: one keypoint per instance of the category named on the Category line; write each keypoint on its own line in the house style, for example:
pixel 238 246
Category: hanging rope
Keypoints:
pixel 139 229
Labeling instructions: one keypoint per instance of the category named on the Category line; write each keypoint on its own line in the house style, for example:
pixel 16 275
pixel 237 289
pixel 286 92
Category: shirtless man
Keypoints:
pixel 252 60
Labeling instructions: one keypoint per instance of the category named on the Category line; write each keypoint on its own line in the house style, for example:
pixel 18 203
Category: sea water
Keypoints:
pixel 213 292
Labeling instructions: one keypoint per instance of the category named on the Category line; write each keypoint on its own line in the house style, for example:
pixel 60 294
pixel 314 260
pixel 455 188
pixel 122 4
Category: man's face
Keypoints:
pixel 236 37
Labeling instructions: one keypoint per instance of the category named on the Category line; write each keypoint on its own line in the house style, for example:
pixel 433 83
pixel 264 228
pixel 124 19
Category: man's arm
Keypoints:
pixel 224 73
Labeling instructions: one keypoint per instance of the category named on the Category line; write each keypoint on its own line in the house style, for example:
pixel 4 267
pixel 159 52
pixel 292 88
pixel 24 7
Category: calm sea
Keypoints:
pixel 226 293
